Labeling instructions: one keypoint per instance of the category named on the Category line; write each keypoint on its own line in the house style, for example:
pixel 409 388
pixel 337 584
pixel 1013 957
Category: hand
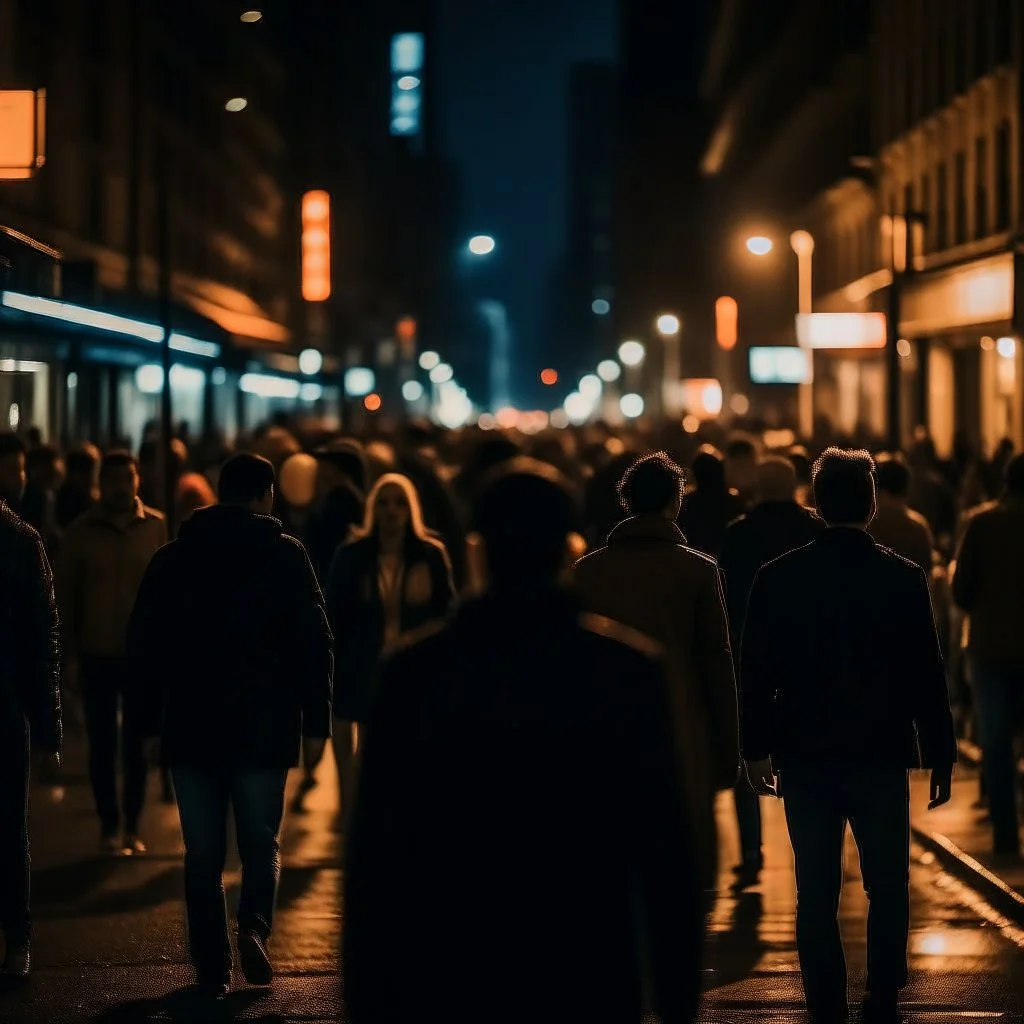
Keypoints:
pixel 761 777
pixel 151 751
pixel 941 787
pixel 312 752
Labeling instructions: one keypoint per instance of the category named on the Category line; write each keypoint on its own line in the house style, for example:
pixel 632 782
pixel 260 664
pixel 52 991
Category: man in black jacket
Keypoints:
pixel 776 524
pixel 521 834
pixel 842 690
pixel 29 708
pixel 230 641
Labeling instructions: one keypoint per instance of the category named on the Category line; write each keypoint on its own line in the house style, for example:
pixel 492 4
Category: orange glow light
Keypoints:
pixel 726 322
pixel 549 377
pixel 372 402
pixel 316 246
pixel 22 132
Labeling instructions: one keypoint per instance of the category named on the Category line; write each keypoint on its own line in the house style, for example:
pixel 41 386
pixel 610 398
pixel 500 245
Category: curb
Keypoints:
pixel 1006 900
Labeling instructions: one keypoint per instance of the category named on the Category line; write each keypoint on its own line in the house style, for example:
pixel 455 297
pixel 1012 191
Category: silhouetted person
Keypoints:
pixel 988 584
pixel 646 578
pixel 741 466
pixel 931 493
pixel 776 524
pixel 80 489
pixel 44 471
pixel 341 503
pixel 29 712
pixel 896 525
pixel 521 830
pixel 842 691
pixel 12 471
pixel 230 636
pixel 711 505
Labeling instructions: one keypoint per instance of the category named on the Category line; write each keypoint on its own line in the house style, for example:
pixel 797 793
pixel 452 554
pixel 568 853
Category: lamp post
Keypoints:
pixel 802 244
pixel 669 326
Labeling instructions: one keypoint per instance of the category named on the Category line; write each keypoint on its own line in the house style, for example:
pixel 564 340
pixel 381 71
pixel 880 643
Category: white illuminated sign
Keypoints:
pixel 780 365
pixel 841 330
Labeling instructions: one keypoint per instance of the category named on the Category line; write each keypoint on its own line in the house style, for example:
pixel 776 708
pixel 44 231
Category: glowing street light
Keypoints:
pixel 590 387
pixel 428 360
pixel 236 104
pixel 760 245
pixel 412 390
pixel 251 17
pixel 668 325
pixel 631 406
pixel 578 408
pixel 631 353
pixel 310 361
pixel 441 374
pixel 481 245
pixel 609 370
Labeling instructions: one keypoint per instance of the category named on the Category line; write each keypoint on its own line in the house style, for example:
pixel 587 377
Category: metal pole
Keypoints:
pixel 164 255
pixel 892 356
pixel 135 34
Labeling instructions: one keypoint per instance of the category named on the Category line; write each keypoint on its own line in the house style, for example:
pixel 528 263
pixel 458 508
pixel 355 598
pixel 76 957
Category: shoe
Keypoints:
pixel 17 963
pixel 134 845
pixel 256 965
pixel 111 842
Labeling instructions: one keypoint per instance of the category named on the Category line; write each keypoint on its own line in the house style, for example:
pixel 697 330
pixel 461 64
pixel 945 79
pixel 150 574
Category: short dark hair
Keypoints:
pixel 11 444
pixel 524 511
pixel 1014 476
pixel 650 484
pixel 244 478
pixel 81 460
pixel 46 456
pixel 740 446
pixel 844 485
pixel 893 474
pixel 119 458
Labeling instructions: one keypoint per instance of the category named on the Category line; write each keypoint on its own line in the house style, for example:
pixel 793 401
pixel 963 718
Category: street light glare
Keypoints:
pixel 412 390
pixel 428 360
pixel 590 387
pixel 408 82
pixel 668 325
pixel 760 245
pixel 236 104
pixel 631 406
pixel 441 374
pixel 631 353
pixel 481 245
pixel 609 370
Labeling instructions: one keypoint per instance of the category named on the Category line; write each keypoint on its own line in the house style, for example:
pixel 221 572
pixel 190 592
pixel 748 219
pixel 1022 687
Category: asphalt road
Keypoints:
pixel 109 932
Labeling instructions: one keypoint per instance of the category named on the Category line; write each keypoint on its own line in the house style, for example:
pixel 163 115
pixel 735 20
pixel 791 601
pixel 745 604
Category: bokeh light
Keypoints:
pixel 760 245
pixel 631 353
pixel 590 387
pixel 549 377
pixel 481 245
pixel 668 325
pixel 372 402
pixel 632 406
pixel 412 390
pixel 428 360
pixel 609 370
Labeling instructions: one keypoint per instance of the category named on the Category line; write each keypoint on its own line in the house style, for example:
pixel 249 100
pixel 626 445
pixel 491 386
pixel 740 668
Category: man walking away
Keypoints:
pixel 521 848
pixel 230 634
pixel 646 578
pixel 101 563
pixel 988 584
pixel 778 523
pixel 897 525
pixel 29 710
pixel 842 691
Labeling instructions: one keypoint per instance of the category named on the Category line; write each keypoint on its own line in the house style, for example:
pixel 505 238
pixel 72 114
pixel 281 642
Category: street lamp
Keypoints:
pixel 759 245
pixel 668 325
pixel 481 245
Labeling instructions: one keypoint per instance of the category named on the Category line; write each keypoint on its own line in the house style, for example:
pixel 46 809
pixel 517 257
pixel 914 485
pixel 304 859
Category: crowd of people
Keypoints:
pixel 560 647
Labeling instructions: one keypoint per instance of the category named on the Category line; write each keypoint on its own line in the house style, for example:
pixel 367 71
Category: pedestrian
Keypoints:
pixel 101 562
pixel 648 579
pixel 230 633
pixel 30 713
pixel 987 585
pixel 776 524
pixel 391 579
pixel 711 504
pixel 12 471
pixel 840 667
pixel 521 830
pixel 80 489
pixel 44 474
pixel 896 524
pixel 341 501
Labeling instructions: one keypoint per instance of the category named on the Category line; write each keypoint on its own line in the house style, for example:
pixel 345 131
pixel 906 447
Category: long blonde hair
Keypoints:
pixel 416 528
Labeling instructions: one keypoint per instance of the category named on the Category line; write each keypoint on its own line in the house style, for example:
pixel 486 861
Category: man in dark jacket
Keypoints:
pixel 776 524
pixel 229 639
pixel 521 838
pixel 842 690
pixel 30 672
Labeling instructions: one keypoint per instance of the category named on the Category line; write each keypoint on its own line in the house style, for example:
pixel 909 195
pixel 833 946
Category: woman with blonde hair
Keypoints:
pixel 392 578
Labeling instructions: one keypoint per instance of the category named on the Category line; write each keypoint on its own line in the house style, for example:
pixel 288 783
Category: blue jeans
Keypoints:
pixel 257 799
pixel 1000 692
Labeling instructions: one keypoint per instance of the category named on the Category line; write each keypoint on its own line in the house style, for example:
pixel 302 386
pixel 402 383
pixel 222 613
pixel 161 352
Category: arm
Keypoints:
pixel 313 639
pixel 965 568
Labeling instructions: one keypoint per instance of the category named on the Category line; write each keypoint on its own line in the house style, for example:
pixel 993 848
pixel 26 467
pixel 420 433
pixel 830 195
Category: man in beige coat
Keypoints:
pixel 647 578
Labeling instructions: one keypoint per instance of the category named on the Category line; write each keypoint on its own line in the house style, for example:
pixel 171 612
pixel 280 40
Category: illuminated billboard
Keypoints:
pixel 316 246
pixel 841 330
pixel 406 83
pixel 780 365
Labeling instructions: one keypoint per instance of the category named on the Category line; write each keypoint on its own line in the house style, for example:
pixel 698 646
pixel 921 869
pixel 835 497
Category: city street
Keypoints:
pixel 109 932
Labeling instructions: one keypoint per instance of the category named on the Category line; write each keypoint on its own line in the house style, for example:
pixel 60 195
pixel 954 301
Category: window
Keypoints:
pixel 942 208
pixel 960 198
pixel 926 208
pixel 1002 176
pixel 981 187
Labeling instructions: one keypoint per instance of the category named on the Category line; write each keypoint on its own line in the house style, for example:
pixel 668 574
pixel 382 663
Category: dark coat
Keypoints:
pixel 357 613
pixel 521 828
pixel 767 531
pixel 30 649
pixel 330 524
pixel 840 660
pixel 230 644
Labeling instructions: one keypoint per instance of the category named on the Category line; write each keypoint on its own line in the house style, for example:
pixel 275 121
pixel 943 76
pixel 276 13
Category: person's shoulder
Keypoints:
pixel 17 530
pixel 614 636
pixel 894 562
pixel 787 563
pixel 697 559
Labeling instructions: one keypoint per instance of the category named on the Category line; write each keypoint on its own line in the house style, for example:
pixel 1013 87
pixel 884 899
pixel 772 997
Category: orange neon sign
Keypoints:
pixel 316 246
pixel 726 322
pixel 22 133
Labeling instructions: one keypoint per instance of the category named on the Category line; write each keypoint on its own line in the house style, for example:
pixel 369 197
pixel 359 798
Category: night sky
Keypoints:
pixel 504 66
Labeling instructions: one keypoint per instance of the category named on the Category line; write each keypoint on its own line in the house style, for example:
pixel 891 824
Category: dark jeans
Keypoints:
pixel 876 802
pixel 1000 692
pixel 14 846
pixel 748 817
pixel 106 686
pixel 257 799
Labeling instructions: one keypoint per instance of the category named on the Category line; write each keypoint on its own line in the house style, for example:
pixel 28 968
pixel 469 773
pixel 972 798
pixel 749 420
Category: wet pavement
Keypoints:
pixel 109 932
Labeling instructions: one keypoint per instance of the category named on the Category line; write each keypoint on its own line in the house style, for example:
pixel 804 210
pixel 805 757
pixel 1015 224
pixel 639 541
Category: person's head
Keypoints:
pixel 12 467
pixel 708 468
pixel 83 465
pixel 844 487
pixel 776 479
pixel 247 481
pixel 44 467
pixel 119 482
pixel 393 509
pixel 1014 477
pixel 525 514
pixel 741 463
pixel 339 463
pixel 801 461
pixel 653 485
pixel 893 475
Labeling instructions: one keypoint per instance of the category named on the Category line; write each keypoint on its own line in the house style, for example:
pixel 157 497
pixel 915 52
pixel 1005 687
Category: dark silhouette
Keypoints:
pixel 342 484
pixel 896 525
pixel 230 635
pixel 776 524
pixel 842 690
pixel 80 489
pixel 521 832
pixel 29 704
pixel 646 578
pixel 711 505
pixel 44 470
pixel 988 584
pixel 12 471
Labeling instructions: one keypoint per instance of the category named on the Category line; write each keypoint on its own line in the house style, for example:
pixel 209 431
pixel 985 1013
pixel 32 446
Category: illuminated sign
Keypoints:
pixel 981 293
pixel 22 132
pixel 841 330
pixel 316 246
pixel 726 322
pixel 702 396
pixel 780 365
pixel 406 83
